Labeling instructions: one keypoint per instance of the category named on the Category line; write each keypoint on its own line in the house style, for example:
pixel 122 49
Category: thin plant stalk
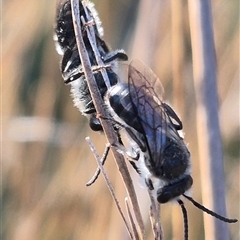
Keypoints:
pixel 106 124
pixel 130 216
pixel 209 137
pixel 154 213
pixel 110 187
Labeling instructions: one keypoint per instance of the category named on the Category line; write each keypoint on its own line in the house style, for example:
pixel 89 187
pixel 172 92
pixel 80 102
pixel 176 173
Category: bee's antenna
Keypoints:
pixel 198 205
pixel 185 218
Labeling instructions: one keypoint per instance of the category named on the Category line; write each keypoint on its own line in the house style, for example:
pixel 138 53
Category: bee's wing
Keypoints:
pixel 146 93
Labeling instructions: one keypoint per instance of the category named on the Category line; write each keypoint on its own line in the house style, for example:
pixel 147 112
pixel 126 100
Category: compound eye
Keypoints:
pixel 95 124
pixel 164 197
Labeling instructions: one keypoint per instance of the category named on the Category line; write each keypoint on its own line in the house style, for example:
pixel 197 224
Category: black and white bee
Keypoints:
pixel 157 150
pixel 71 67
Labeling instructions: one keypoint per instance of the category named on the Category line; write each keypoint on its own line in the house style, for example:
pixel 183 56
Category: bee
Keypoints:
pixel 71 66
pixel 156 150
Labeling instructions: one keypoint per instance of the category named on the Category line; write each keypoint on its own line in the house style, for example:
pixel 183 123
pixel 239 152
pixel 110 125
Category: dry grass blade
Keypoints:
pixel 154 213
pixel 110 187
pixel 103 159
pixel 91 35
pixel 135 232
pixel 209 136
pixel 107 126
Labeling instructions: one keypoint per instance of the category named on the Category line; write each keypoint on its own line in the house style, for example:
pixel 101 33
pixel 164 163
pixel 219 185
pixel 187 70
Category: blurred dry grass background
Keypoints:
pixel 45 159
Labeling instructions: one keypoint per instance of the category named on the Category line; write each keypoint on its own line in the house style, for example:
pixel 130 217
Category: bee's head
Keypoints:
pixel 174 190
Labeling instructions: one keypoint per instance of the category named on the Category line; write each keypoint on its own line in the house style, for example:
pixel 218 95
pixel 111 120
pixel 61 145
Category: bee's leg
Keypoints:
pixel 149 183
pixel 130 131
pixel 130 154
pixel 134 166
pixel 117 54
pixel 133 153
pixel 137 138
pixel 173 115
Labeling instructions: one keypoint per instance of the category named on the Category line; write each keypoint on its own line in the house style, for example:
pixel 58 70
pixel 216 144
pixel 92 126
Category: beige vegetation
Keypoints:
pixel 46 161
